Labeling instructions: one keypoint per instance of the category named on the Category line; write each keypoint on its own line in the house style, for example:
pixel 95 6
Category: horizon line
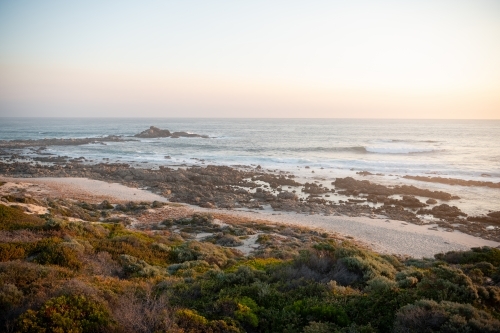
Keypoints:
pixel 241 118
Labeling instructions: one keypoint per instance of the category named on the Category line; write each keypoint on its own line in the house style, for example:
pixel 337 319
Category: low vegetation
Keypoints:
pixel 98 275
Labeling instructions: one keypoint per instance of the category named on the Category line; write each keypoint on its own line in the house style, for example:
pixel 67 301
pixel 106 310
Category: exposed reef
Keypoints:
pixel 353 186
pixel 58 142
pixel 453 181
pixel 253 188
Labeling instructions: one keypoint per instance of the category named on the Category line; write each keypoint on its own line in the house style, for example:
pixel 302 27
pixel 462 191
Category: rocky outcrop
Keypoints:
pixel 444 211
pixel 58 142
pixel 227 187
pixel 155 132
pixel 491 218
pixel 276 181
pixel 452 181
pixel 355 187
pixel 312 188
pixel 287 196
pixel 407 201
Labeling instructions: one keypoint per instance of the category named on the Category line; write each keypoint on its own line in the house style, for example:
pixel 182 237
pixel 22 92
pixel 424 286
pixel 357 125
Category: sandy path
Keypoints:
pixel 394 237
pixel 88 189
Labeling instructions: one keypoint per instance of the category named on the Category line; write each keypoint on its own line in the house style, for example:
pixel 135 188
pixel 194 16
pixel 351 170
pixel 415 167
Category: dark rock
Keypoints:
pixel 364 186
pixel 444 212
pixel 494 214
pixel 452 181
pixel 154 132
pixel 188 135
pixel 58 142
pixel 287 196
pixel 312 188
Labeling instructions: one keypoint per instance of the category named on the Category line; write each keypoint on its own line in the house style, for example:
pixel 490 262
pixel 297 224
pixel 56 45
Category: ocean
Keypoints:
pixel 462 149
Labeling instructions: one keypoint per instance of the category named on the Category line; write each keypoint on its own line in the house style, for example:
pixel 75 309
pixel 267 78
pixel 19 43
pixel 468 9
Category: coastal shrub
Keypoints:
pixel 192 322
pixel 133 246
pixel 15 219
pixel 51 251
pixel 31 278
pixel 10 296
pixel 475 255
pixel 78 229
pixel 141 310
pixel 367 267
pixel 12 251
pixel 245 315
pixel 262 264
pixel 317 310
pixel 485 267
pixel 309 265
pixel 380 284
pixel 101 263
pixel 430 316
pixel 364 263
pixel 490 296
pixel 66 314
pixel 66 208
pixel 321 327
pixel 409 277
pixel 194 250
pixel 242 309
pixel 229 241
pixel 190 268
pixel 445 283
pixel 134 267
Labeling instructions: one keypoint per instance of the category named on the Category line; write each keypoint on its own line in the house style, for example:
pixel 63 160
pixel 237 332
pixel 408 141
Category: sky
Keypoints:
pixel 305 59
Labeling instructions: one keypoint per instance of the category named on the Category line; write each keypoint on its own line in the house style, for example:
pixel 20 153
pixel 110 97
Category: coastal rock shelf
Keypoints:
pixel 451 181
pixel 58 142
pixel 256 189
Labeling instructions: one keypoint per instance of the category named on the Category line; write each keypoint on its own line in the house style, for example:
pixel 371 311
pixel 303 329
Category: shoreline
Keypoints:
pixel 381 234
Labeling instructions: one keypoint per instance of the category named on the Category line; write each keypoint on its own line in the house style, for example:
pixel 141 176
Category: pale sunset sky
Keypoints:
pixel 327 59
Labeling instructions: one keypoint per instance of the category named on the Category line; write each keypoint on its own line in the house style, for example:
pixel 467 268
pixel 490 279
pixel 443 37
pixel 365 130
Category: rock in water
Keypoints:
pixel 154 132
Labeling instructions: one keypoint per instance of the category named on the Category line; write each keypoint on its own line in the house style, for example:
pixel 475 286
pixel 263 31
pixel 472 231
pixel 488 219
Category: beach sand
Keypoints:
pixel 380 234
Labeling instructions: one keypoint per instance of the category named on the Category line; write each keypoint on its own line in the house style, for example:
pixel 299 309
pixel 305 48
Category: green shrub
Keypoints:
pixel 10 296
pixel 192 322
pixel 133 245
pixel 31 278
pixel 12 251
pixel 51 251
pixel 66 314
pixel 134 267
pixel 193 250
pixel 190 268
pixel 447 284
pixel 316 310
pixel 430 316
pixel 475 255
pixel 15 219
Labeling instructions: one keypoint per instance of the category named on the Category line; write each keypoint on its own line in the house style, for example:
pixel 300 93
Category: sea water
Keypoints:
pixel 462 149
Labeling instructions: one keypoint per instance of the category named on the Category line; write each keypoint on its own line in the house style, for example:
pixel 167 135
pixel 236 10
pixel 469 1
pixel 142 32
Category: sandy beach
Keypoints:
pixel 381 234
